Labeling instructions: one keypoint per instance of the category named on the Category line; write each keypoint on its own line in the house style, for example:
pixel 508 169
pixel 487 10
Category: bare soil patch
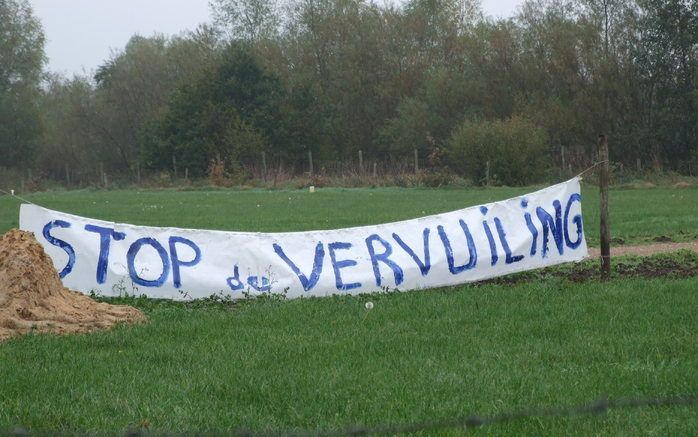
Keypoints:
pixel 32 297
pixel 659 260
pixel 646 249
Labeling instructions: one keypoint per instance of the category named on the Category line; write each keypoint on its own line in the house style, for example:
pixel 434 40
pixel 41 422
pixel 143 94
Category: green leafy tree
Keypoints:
pixel 248 20
pixel 514 148
pixel 133 90
pixel 231 111
pixel 668 63
pixel 21 62
pixel 68 148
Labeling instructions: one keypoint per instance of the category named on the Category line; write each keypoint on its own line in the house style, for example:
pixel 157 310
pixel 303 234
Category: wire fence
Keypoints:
pixel 469 423
pixel 413 167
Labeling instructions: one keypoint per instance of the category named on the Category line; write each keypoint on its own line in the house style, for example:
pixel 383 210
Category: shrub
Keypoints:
pixel 515 149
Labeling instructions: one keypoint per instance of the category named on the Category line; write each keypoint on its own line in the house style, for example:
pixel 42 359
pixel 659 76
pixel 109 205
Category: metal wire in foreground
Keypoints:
pixel 600 406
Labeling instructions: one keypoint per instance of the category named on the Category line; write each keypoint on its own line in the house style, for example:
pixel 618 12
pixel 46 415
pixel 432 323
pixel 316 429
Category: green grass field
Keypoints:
pixel 329 364
pixel 637 215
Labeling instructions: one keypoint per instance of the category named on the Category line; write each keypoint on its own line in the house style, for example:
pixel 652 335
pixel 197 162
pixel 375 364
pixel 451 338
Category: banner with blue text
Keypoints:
pixel 527 232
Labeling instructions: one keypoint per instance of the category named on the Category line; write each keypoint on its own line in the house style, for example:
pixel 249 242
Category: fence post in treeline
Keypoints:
pixel 67 174
pixel 264 166
pixel 186 174
pixel 361 162
pixel 375 169
pixel 100 176
pixel 639 165
pixel 487 174
pixel 605 235
pixel 174 165
pixel 562 156
pixel 416 161
pixel 138 172
pixel 310 162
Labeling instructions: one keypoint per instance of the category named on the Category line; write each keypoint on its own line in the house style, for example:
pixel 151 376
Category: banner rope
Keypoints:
pixel 592 167
pixel 11 193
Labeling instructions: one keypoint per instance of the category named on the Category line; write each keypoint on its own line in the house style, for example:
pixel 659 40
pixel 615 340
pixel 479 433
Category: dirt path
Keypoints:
pixel 646 249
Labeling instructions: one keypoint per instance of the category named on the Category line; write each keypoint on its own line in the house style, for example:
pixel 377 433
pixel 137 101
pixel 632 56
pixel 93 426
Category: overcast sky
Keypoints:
pixel 80 34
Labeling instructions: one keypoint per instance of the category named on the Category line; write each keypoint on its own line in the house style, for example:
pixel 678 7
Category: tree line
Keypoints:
pixel 274 81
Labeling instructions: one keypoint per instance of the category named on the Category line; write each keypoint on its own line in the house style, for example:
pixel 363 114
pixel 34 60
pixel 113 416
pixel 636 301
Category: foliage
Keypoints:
pixel 21 62
pixel 668 64
pixel 335 77
pixel 249 20
pixel 67 138
pixel 231 112
pixel 514 150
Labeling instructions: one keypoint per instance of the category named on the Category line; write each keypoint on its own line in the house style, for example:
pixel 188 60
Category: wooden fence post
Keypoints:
pixel 361 162
pixel 264 166
pixel 605 234
pixel 375 169
pixel 487 174
pixel 562 156
pixel 416 161
pixel 310 162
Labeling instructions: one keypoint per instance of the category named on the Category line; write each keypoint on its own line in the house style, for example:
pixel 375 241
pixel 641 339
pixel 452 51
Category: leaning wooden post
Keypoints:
pixel 605 233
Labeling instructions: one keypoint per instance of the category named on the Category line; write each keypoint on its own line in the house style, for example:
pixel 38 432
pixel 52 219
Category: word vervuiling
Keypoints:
pixel 532 231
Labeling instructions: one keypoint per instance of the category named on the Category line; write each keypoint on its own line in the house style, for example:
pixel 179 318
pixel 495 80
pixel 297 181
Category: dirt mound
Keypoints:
pixel 32 297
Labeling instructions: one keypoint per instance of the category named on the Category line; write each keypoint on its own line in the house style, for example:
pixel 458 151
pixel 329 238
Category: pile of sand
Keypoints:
pixel 32 297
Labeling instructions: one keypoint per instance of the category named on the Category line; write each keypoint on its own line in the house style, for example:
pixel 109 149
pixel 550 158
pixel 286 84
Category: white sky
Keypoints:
pixel 81 34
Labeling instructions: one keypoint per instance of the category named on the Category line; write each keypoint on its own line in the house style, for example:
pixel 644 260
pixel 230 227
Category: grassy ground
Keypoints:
pixel 329 363
pixel 637 215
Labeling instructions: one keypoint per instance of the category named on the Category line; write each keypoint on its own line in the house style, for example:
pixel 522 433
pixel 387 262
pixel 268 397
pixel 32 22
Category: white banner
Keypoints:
pixel 536 230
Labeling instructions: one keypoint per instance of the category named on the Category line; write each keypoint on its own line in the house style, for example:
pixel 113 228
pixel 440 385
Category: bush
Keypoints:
pixel 515 149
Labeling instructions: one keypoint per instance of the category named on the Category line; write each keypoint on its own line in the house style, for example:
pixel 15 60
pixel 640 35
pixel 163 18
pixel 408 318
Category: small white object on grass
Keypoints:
pixel 369 305
pixel 311 188
pixel 12 192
